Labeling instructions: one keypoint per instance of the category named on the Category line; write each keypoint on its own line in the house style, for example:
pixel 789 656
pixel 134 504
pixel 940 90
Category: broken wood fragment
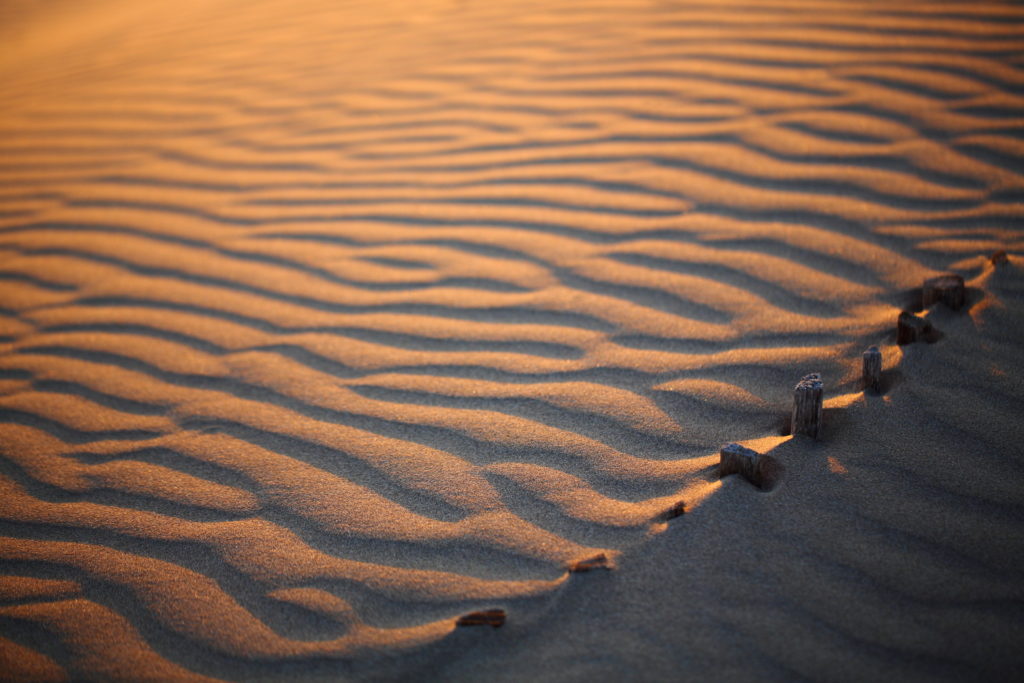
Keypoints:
pixel 999 258
pixel 737 459
pixel 760 470
pixel 807 400
pixel 873 369
pixel 910 328
pixel 599 561
pixel 487 617
pixel 677 510
pixel 948 288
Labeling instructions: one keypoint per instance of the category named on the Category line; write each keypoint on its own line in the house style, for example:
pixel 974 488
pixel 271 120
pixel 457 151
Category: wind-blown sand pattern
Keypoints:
pixel 324 324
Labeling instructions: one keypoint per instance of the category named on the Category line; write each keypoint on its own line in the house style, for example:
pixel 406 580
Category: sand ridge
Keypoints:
pixel 321 325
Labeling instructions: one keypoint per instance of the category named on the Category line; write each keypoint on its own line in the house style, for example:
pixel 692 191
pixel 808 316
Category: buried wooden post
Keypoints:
pixel 678 509
pixel 807 399
pixel 487 617
pixel 910 328
pixel 760 470
pixel 949 289
pixel 599 561
pixel 872 369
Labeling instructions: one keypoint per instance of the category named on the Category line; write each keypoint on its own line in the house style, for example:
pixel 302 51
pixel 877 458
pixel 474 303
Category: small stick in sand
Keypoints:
pixel 599 561
pixel 807 398
pixel 910 328
pixel 949 289
pixel 487 617
pixel 760 470
pixel 677 510
pixel 999 258
pixel 872 369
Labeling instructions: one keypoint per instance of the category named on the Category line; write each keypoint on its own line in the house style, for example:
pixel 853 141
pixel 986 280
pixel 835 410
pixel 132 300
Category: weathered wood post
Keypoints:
pixel 872 369
pixel 487 617
pixel 737 459
pixel 760 470
pixel 807 399
pixel 910 328
pixel 678 509
pixel 599 561
pixel 949 289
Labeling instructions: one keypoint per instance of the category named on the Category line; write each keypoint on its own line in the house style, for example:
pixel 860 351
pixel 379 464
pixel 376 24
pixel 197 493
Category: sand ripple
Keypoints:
pixel 320 328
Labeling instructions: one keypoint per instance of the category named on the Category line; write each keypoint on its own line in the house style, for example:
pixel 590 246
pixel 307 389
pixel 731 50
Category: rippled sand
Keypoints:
pixel 324 324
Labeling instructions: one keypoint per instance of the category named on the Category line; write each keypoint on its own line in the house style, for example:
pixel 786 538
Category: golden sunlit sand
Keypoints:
pixel 398 340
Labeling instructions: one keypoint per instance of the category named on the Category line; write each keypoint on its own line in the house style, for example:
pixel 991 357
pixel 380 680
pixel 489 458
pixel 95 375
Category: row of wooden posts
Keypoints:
pixel 763 470
pixel 808 395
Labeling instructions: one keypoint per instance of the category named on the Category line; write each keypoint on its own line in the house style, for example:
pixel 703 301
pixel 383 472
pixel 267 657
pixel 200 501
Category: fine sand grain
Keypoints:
pixel 323 324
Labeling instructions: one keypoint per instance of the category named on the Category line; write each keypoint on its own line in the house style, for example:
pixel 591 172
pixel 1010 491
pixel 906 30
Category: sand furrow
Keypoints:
pixel 323 325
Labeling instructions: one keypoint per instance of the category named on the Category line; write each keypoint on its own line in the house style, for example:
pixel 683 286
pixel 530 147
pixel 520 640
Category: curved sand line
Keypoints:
pixel 322 326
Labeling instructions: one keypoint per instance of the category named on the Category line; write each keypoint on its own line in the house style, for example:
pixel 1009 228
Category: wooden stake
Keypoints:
pixel 872 369
pixel 488 617
pixel 807 398
pixel 599 561
pixel 737 459
pixel 910 328
pixel 760 470
pixel 677 510
pixel 999 258
pixel 949 289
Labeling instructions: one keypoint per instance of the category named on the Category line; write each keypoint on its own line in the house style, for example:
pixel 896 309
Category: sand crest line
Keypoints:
pixel 304 362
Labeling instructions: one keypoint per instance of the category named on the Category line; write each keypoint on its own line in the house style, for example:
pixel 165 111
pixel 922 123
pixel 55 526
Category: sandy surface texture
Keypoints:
pixel 324 325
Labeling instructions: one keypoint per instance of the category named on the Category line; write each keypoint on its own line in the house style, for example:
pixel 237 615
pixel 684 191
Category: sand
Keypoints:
pixel 325 324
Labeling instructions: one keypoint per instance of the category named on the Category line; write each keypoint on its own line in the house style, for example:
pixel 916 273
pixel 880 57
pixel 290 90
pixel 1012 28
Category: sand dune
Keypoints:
pixel 323 325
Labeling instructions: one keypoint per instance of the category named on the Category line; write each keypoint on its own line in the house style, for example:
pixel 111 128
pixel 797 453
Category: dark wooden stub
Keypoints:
pixel 487 617
pixel 760 470
pixel 910 328
pixel 872 369
pixel 999 258
pixel 677 510
pixel 807 399
pixel 599 561
pixel 949 289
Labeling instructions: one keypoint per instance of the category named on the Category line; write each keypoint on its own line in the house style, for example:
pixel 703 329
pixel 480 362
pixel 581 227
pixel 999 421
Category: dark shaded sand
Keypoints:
pixel 398 340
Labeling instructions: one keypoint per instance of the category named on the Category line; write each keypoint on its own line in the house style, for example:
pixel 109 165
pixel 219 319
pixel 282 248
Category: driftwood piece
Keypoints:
pixel 949 289
pixel 487 617
pixel 677 510
pixel 807 399
pixel 999 258
pixel 873 369
pixel 760 470
pixel 599 561
pixel 910 328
